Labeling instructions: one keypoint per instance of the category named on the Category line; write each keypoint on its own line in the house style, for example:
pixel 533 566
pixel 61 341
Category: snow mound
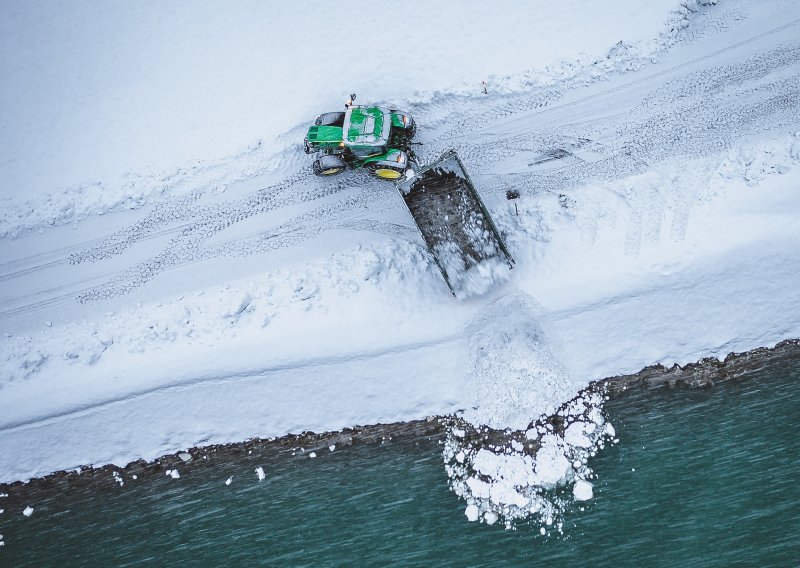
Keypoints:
pixel 517 377
pixel 507 455
pixel 509 476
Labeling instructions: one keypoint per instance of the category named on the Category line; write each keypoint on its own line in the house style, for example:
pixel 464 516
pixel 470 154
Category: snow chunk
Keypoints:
pixel 582 490
pixel 505 481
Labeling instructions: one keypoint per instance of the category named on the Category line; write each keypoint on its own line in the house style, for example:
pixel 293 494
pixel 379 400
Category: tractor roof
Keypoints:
pixel 366 126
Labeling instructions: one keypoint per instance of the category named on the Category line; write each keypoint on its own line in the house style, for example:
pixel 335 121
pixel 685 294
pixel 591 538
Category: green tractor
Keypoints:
pixel 372 137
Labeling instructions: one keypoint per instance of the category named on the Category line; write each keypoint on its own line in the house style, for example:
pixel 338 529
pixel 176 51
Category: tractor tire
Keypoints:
pixel 330 119
pixel 388 172
pixel 328 165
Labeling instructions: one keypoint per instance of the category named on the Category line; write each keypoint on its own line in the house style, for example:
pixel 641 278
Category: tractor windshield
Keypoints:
pixel 367 151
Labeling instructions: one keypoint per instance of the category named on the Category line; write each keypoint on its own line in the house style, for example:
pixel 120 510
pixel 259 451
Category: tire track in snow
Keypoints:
pixel 626 150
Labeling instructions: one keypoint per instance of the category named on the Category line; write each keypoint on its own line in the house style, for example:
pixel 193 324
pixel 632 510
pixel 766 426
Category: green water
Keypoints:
pixel 699 478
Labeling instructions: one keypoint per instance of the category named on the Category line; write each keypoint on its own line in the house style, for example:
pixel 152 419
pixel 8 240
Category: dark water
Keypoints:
pixel 699 478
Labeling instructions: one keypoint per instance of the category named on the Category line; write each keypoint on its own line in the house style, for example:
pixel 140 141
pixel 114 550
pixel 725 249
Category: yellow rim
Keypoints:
pixel 386 173
pixel 331 171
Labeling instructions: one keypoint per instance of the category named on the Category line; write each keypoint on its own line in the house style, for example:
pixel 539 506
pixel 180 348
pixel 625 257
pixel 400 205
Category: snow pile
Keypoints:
pixel 507 455
pixel 754 162
pixel 517 377
pixel 509 476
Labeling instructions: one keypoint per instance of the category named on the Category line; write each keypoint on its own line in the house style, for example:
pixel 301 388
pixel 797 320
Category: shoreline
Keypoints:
pixel 704 373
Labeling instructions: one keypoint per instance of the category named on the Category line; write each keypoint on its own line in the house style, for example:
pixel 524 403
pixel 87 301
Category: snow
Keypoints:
pixel 582 490
pixel 224 294
pixel 108 108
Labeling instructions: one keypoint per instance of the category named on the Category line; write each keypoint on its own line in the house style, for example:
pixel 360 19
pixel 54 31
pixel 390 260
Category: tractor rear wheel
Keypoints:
pixel 328 165
pixel 388 172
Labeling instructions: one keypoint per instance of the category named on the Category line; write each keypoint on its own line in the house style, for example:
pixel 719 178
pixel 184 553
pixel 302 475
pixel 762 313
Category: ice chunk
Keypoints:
pixel 582 491
pixel 228 481
pixel 173 473
pixel 472 513
pixel 312 455
pixel 28 511
pixel 479 488
pixel 575 435
pixel 260 473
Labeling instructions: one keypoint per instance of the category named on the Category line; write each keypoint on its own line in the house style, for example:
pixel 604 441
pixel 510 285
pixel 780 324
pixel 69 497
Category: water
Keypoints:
pixel 700 478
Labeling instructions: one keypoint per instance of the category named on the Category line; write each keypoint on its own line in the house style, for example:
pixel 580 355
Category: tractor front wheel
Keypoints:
pixel 328 165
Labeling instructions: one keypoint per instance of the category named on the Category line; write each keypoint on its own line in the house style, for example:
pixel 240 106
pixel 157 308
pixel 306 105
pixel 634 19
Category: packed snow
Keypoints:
pixel 171 275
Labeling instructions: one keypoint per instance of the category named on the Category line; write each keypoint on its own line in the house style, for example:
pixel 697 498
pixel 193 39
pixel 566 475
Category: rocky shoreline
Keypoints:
pixel 704 373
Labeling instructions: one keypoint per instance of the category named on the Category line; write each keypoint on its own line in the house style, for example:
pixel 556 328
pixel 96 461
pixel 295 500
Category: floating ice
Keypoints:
pixel 312 455
pixel 260 473
pixel 173 473
pixel 582 490
pixel 228 481
pixel 28 511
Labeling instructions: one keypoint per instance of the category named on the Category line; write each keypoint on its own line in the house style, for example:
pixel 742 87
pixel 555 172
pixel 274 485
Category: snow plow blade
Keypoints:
pixel 456 226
